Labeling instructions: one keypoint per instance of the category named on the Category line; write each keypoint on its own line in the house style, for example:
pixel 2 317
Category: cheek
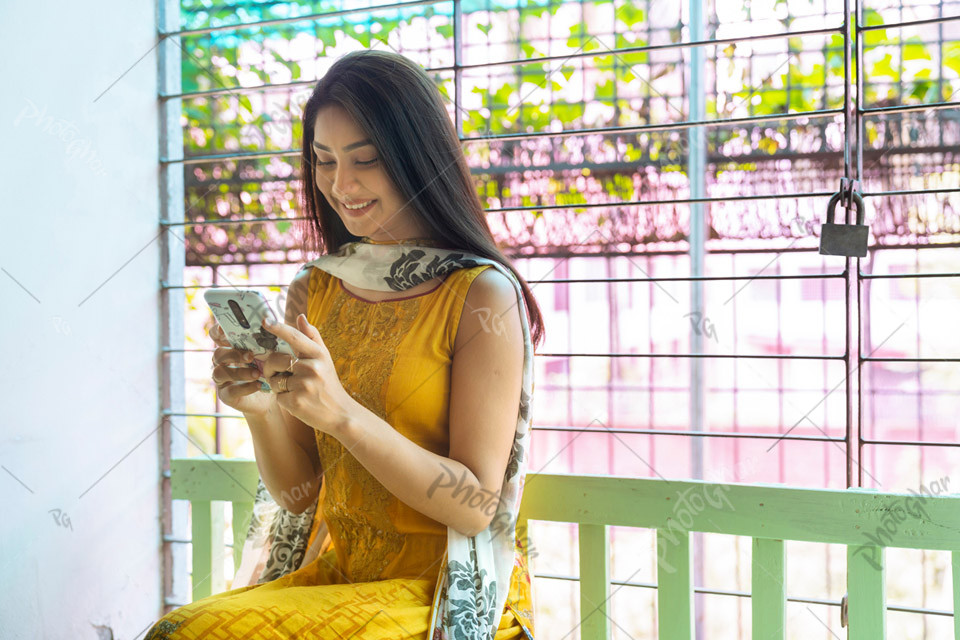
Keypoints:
pixel 384 186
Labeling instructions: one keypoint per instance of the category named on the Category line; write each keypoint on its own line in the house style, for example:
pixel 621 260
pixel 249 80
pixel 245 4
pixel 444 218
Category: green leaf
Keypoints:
pixel 768 145
pixel 283 226
pixel 485 28
pixel 630 14
pixel 580 41
pixel 502 96
pixel 922 89
pixel 446 30
pixel 915 50
pixel 531 8
pixel 327 35
pixel 951 56
pixel 529 50
pixel 363 37
pixel 873 38
pixel 606 90
pixel 534 74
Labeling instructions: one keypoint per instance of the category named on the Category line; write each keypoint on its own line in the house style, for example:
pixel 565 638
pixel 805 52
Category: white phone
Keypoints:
pixel 240 313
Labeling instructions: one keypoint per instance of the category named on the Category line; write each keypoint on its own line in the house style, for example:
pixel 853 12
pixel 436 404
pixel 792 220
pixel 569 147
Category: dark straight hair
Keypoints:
pixel 398 106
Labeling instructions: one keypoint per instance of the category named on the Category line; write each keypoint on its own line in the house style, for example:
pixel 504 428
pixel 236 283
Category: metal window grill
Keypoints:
pixel 693 144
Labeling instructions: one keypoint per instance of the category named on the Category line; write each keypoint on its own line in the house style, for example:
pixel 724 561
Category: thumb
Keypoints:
pixel 308 329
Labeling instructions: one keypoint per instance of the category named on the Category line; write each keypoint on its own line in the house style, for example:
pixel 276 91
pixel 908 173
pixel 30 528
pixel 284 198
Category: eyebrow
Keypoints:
pixel 349 147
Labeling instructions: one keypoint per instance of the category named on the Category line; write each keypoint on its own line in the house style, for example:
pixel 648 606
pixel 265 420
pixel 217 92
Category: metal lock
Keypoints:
pixel 844 239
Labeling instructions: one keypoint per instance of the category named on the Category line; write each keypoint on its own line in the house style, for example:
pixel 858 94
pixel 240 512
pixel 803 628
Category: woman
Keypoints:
pixel 405 414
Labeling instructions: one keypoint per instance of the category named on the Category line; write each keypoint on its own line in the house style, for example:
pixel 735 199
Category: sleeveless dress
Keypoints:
pixel 376 574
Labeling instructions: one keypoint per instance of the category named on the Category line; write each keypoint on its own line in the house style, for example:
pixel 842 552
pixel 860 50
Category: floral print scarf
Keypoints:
pixel 474 579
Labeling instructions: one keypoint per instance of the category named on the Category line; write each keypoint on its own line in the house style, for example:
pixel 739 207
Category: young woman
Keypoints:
pixel 396 441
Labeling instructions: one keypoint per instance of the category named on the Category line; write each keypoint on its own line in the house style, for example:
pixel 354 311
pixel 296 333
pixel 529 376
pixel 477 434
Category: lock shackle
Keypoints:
pixel 858 205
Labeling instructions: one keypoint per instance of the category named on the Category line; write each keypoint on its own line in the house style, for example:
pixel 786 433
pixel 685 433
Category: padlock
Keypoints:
pixel 844 239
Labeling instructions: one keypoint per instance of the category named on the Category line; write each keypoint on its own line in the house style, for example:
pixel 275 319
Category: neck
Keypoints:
pixel 417 240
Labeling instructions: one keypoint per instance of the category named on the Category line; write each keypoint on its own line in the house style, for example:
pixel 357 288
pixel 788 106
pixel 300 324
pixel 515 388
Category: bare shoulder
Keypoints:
pixel 490 307
pixel 492 286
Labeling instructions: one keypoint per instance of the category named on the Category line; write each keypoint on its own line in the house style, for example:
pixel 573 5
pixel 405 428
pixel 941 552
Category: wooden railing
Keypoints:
pixel 208 483
pixel 865 521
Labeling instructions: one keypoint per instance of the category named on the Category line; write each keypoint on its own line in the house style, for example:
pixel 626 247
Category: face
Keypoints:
pixel 349 173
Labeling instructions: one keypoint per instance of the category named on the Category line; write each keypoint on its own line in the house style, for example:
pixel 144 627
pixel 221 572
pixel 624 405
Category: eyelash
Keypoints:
pixel 368 162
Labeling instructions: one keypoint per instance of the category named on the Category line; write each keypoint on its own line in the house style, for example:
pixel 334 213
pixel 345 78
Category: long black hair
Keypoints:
pixel 401 110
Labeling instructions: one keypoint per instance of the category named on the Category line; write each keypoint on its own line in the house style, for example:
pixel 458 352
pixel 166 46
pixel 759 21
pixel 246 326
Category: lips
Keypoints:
pixel 358 211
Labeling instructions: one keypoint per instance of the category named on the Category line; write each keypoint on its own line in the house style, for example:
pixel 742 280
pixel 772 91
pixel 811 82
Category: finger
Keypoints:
pixel 219 337
pixel 308 329
pixel 303 346
pixel 229 355
pixel 277 361
pixel 292 384
pixel 222 375
pixel 240 388
pixel 226 373
pixel 280 359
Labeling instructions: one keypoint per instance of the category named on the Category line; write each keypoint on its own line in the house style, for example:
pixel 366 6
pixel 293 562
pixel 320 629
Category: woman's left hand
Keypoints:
pixel 314 393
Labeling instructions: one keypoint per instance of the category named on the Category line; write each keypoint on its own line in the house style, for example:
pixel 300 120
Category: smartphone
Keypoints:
pixel 240 313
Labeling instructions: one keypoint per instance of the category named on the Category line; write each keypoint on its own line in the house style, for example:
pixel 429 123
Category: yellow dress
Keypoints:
pixel 379 565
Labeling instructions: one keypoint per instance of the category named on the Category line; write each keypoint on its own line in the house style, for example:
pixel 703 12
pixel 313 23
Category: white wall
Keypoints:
pixel 79 293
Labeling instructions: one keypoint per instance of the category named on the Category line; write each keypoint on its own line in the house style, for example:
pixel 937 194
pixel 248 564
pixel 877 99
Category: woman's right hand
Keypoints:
pixel 236 378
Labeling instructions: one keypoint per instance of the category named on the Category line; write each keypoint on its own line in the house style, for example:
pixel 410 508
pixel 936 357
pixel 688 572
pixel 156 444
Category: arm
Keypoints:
pixel 285 447
pixel 485 385
pixel 283 464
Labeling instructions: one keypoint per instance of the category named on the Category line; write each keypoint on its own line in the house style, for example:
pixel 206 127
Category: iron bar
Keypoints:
pixel 745 594
pixel 911 23
pixel 639 128
pixel 548 207
pixel 307 18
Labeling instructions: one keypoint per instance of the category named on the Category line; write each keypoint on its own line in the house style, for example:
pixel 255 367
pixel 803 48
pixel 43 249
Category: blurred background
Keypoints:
pixel 665 201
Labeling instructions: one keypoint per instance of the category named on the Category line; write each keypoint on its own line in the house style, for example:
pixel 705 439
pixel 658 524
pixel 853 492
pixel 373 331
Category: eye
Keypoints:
pixel 365 163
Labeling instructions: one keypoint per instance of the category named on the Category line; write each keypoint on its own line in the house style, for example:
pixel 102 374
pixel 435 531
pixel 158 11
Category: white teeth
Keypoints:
pixel 357 206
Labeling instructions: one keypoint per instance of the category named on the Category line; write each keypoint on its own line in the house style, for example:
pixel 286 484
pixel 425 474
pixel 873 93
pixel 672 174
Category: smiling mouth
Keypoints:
pixel 358 207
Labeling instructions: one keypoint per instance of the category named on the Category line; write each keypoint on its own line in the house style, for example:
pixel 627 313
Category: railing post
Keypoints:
pixel 768 592
pixel 594 582
pixel 866 583
pixel 674 585
pixel 208 553
pixel 956 594
pixel 242 513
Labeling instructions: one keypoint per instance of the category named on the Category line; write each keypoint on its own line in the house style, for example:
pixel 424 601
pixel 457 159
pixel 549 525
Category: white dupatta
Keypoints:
pixel 474 578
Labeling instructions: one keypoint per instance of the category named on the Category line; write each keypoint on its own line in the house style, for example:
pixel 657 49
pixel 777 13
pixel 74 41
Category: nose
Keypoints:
pixel 344 181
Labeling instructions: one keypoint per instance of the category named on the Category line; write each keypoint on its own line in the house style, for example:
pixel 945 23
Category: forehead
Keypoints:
pixel 334 124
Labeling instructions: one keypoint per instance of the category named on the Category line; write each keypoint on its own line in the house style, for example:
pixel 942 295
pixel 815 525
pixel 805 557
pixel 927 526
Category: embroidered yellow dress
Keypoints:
pixel 380 561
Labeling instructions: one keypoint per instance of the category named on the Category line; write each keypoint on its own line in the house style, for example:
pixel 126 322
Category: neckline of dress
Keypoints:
pixel 416 295
pixel 414 241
